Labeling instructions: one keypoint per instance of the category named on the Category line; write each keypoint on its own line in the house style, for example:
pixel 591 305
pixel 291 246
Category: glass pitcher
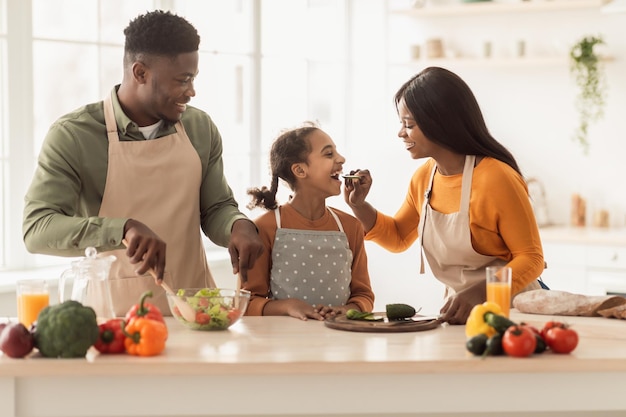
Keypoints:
pixel 90 283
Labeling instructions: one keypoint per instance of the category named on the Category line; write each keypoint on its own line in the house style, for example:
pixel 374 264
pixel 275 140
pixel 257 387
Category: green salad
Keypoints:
pixel 213 311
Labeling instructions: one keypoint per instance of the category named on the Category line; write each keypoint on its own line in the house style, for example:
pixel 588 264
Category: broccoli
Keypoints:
pixel 66 330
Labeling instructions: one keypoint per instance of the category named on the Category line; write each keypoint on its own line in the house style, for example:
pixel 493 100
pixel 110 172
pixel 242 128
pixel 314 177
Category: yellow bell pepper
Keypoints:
pixel 476 324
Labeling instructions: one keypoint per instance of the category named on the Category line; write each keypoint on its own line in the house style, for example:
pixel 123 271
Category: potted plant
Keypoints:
pixel 586 68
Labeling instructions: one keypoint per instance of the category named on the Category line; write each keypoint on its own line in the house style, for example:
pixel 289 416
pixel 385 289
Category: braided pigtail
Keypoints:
pixel 264 197
pixel 291 147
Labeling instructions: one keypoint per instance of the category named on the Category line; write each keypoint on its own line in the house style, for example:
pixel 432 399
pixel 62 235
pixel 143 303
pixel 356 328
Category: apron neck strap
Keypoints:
pixel 109 119
pixel 339 224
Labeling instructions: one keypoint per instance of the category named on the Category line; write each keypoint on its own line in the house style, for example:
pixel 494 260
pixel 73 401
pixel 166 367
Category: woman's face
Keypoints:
pixel 414 140
pixel 169 87
pixel 323 167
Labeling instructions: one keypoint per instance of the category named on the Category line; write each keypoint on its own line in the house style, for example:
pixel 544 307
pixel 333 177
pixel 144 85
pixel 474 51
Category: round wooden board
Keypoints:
pixel 341 322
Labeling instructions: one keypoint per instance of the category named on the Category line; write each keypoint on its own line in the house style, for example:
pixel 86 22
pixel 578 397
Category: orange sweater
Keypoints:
pixel 502 222
pixel 259 277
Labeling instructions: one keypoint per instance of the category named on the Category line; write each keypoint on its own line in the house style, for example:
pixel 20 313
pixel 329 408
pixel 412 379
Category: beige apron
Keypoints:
pixel 156 182
pixel 447 243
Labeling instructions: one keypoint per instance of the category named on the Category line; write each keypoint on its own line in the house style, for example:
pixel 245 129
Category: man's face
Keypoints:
pixel 168 87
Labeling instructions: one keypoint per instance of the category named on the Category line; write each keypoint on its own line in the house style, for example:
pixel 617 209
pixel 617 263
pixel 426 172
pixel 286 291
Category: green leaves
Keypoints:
pixel 586 68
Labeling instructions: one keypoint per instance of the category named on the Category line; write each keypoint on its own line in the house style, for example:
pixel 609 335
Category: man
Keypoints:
pixel 142 169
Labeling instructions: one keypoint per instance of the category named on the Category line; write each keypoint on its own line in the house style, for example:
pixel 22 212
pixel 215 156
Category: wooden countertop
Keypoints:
pixel 259 355
pixel 284 345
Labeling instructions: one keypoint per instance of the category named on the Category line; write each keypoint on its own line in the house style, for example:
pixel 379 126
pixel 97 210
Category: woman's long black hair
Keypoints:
pixel 446 111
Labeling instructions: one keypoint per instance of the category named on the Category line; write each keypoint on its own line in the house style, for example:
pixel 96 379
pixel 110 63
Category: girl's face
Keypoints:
pixel 323 167
pixel 414 140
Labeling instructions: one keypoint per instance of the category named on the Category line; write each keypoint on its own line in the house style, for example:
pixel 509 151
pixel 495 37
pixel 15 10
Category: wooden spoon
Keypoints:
pixel 238 290
pixel 185 309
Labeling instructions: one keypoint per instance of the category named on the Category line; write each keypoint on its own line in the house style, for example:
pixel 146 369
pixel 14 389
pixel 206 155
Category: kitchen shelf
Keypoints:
pixel 490 7
pixel 492 62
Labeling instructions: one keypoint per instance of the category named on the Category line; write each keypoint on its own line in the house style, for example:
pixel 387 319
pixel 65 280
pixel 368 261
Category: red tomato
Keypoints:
pixel 549 325
pixel 541 343
pixel 562 339
pixel 233 314
pixel 202 318
pixel 519 341
pixel 531 327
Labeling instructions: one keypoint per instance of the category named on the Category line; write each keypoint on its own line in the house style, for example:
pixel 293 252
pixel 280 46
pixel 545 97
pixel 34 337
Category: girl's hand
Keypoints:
pixel 300 309
pixel 337 310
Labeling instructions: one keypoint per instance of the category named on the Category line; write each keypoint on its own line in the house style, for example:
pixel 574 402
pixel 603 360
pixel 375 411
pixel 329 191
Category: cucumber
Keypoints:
pixel 477 344
pixel 498 322
pixel 541 345
pixel 353 314
pixel 399 311
pixel 494 346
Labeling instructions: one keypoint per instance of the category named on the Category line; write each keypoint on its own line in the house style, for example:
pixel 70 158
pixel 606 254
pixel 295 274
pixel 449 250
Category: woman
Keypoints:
pixel 468 205
pixel 314 264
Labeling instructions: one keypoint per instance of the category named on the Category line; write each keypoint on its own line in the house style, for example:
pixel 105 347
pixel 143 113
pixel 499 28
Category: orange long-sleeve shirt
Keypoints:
pixel 502 222
pixel 258 282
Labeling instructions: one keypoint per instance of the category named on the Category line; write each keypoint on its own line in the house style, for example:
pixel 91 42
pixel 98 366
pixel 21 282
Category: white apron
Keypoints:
pixel 311 265
pixel 156 182
pixel 447 242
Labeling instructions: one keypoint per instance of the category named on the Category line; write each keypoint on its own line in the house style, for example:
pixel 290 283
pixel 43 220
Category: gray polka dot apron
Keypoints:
pixel 312 265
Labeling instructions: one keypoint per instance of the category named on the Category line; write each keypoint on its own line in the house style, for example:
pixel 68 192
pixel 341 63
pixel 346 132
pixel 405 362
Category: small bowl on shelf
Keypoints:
pixel 216 308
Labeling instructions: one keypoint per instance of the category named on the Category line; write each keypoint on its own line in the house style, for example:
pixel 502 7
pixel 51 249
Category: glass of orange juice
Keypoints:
pixel 499 287
pixel 32 297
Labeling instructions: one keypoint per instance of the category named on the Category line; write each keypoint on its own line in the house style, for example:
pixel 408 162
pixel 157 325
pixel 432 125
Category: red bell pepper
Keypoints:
pixel 112 337
pixel 144 310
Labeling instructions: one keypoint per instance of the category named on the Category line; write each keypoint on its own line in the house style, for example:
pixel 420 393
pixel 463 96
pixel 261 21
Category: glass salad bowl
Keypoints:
pixel 215 308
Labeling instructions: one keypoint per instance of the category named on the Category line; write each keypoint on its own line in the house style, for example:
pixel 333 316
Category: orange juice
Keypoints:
pixel 29 305
pixel 500 293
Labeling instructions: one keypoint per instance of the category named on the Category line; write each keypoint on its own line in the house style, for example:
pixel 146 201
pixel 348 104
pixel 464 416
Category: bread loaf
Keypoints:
pixel 562 303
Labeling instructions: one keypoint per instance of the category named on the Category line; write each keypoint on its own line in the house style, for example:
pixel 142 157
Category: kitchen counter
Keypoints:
pixel 585 235
pixel 270 366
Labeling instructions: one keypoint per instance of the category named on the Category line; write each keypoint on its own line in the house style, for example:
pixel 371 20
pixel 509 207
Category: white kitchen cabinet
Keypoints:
pixel 585 260
pixel 566 267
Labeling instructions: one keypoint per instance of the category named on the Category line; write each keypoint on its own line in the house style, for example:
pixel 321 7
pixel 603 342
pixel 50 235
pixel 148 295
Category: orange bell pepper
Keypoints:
pixel 145 337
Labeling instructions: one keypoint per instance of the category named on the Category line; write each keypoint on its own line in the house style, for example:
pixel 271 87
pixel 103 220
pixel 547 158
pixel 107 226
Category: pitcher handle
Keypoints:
pixel 62 282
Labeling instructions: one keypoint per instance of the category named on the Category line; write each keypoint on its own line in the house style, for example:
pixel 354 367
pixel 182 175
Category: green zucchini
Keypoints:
pixel 498 322
pixel 477 344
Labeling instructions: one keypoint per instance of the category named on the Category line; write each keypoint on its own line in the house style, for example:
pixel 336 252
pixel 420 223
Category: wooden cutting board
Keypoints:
pixel 341 322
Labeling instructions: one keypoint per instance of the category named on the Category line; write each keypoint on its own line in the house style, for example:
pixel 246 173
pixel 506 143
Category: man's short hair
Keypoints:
pixel 160 33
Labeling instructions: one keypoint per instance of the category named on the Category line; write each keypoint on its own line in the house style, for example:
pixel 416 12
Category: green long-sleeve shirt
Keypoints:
pixel 64 198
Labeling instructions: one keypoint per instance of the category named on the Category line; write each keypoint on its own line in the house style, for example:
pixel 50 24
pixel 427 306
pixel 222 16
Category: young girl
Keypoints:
pixel 314 264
